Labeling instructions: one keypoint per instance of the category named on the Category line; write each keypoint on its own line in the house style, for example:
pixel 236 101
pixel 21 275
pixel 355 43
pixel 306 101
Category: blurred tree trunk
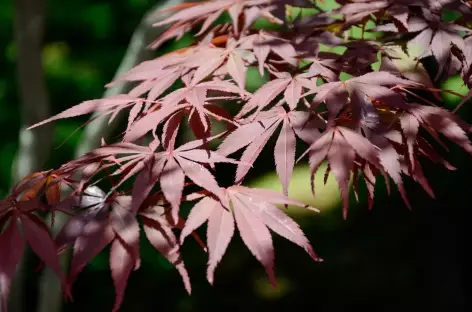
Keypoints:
pixel 34 145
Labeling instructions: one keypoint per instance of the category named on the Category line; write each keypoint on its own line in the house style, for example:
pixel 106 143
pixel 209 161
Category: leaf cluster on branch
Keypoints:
pixel 379 121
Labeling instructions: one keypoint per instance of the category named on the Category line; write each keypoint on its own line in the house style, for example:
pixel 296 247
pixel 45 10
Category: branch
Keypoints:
pixel 50 297
pixel 137 53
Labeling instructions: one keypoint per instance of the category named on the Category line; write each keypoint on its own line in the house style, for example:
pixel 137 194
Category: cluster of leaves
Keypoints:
pixel 375 122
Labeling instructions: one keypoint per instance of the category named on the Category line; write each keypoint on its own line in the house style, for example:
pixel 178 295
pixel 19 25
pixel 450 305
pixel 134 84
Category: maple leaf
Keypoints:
pixel 436 120
pixel 111 105
pixel 396 61
pixel 193 95
pixel 183 162
pixel 341 146
pixel 359 91
pixel 207 12
pixel 207 61
pixel 291 86
pixel 159 233
pixel 96 227
pixel 357 11
pixel 434 38
pixel 108 221
pixel 199 10
pixel 168 167
pixel 15 213
pixel 364 127
pixel 158 68
pixel 254 212
pixel 256 134
pixel 325 65
pixel 263 43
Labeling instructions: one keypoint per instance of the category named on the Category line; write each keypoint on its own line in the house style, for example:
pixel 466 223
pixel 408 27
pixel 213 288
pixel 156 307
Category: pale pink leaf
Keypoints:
pixel 293 93
pixel 172 185
pixel 198 215
pixel 234 11
pixel 141 88
pixel 120 148
pixel 88 107
pixel 265 95
pixel 341 157
pixel 222 85
pixel 284 155
pixel 382 78
pixel 121 265
pixel 200 130
pixel 237 69
pixel 410 126
pixel 163 239
pixel 200 175
pixel 149 122
pixel 250 16
pixel 305 125
pixel 204 156
pixel 261 52
pixel 197 97
pixel 268 196
pixel 145 181
pixel 286 51
pixel 363 147
pixel 209 21
pixel 279 222
pixel 133 113
pixel 219 233
pixel 253 150
pixel 171 129
pixel 95 237
pixel 74 227
pixel 255 236
pixel 195 12
pixel 207 69
pixel 242 136
pixel 163 83
pixel 126 226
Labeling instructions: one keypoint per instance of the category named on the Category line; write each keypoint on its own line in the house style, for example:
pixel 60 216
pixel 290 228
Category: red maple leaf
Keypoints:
pixel 254 212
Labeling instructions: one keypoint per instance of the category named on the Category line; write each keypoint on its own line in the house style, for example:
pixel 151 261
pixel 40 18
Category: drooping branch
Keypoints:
pixel 50 297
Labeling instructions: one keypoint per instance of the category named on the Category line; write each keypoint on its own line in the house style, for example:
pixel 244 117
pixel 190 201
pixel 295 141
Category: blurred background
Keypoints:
pixel 384 259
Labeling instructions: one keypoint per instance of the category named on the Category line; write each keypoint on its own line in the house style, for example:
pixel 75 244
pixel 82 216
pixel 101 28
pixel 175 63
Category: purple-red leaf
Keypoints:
pixel 255 236
pixel 12 245
pixel 219 233
pixel 163 239
pixel 88 107
pixel 198 215
pixel 41 242
pixel 172 184
pixel 121 265
pixel 278 222
pixel 284 155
